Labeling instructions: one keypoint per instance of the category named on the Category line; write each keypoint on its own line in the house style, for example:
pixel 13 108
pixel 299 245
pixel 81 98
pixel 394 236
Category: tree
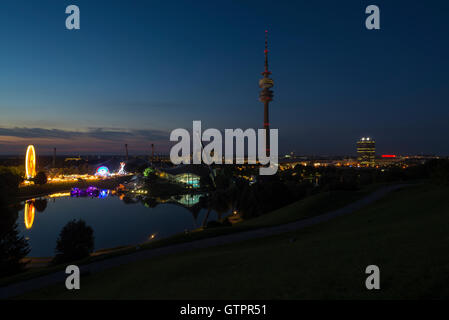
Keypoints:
pixel 248 205
pixel 41 178
pixel 205 182
pixel 218 202
pixel 76 241
pixel 223 179
pixel 150 175
pixel 148 171
pixel 9 186
pixel 13 247
pixel 40 205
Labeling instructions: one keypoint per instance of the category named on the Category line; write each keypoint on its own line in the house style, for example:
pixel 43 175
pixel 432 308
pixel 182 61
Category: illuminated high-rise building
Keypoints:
pixel 366 151
pixel 266 95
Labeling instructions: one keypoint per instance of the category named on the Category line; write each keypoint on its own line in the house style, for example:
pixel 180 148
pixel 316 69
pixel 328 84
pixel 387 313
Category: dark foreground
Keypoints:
pixel 405 234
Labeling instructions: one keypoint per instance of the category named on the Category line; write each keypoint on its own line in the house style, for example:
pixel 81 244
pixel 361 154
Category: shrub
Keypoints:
pixel 41 178
pixel 439 171
pixel 76 241
pixel 226 223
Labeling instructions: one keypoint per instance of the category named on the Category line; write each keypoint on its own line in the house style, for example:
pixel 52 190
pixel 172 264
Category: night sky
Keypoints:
pixel 138 69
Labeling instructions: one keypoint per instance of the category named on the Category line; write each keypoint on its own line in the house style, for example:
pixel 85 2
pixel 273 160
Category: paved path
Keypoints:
pixel 59 277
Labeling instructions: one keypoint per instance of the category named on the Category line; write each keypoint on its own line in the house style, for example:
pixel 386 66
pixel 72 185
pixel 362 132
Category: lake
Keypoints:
pixel 115 222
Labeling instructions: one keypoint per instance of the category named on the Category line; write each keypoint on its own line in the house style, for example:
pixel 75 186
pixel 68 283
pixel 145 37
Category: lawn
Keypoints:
pixel 406 234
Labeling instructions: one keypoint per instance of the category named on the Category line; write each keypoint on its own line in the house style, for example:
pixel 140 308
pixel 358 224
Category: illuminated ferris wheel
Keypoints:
pixel 30 162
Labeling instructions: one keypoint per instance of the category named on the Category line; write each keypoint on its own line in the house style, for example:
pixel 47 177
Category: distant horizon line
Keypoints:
pixel 285 155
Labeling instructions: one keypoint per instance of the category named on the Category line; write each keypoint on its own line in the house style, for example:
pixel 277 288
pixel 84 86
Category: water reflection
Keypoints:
pixel 188 200
pixel 30 208
pixel 59 195
pixel 29 213
pixel 103 194
pixel 185 200
pixel 89 192
pixel 115 223
pixel 191 202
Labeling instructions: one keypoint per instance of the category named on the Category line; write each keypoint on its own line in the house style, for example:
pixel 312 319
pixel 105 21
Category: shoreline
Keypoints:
pixel 59 187
pixel 36 191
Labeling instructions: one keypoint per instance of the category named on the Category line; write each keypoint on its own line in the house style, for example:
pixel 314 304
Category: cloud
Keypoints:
pixel 96 140
pixel 98 133
pixel 35 133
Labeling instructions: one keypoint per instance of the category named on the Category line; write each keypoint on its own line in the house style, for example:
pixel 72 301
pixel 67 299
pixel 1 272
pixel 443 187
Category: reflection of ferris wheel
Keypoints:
pixel 30 162
pixel 28 214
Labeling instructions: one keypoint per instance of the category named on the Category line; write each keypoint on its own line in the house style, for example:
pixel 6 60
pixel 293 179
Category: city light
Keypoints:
pixel 91 191
pixel 71 178
pixel 122 169
pixel 103 194
pixel 152 236
pixel 59 195
pixel 102 171
pixel 366 152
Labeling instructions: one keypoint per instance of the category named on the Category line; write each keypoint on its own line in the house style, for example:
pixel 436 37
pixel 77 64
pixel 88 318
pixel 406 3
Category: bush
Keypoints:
pixel 439 171
pixel 76 241
pixel 226 223
pixel 41 178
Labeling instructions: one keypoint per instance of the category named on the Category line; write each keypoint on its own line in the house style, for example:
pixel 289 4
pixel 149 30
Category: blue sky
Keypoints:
pixel 138 69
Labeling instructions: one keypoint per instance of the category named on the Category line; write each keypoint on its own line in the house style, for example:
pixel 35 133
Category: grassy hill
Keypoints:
pixel 406 234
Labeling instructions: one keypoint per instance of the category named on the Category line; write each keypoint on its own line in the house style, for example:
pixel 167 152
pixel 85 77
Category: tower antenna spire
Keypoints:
pixel 266 52
pixel 266 95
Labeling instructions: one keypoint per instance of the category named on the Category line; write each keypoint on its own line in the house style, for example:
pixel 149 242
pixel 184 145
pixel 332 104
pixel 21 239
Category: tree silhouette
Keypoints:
pixel 13 247
pixel 9 186
pixel 219 202
pixel 76 241
pixel 40 204
pixel 41 178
